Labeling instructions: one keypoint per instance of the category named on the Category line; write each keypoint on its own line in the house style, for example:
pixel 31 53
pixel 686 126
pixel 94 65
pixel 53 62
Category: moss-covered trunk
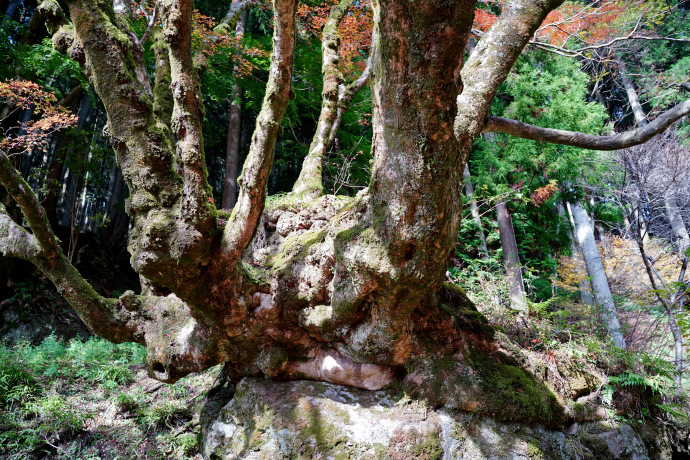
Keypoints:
pixel 344 290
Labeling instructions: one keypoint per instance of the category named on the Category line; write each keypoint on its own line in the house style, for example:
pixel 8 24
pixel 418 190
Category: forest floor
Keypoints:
pixel 93 400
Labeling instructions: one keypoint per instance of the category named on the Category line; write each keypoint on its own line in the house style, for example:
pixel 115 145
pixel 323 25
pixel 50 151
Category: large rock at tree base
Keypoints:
pixel 315 420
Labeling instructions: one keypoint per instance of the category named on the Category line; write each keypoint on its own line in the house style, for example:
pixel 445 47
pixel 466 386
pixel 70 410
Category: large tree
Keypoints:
pixel 345 290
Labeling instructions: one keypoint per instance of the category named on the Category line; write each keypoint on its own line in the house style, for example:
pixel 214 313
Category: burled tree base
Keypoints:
pixel 306 420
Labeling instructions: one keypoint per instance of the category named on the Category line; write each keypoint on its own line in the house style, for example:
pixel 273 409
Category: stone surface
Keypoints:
pixel 315 420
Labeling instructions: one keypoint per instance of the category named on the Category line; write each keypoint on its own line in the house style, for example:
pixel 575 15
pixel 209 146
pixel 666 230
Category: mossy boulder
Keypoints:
pixel 314 420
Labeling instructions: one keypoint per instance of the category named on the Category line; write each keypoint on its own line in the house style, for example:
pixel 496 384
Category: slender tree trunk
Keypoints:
pixel 633 98
pixel 9 12
pixel 511 259
pixel 640 120
pixel 73 165
pixel 597 275
pixel 474 209
pixel 336 99
pixel 232 153
pixel 680 233
pixel 585 291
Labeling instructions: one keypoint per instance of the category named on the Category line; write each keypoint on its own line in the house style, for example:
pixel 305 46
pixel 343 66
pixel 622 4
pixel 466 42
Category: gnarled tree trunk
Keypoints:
pixel 345 290
pixel 348 300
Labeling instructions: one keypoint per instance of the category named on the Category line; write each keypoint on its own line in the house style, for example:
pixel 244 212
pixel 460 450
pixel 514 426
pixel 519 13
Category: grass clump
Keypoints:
pixel 93 399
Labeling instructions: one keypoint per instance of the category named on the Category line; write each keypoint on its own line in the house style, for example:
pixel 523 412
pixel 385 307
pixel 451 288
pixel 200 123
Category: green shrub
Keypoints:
pixel 17 384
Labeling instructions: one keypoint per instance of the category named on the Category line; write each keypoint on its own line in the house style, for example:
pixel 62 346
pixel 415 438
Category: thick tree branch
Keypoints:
pixel 15 241
pixel 493 57
pixel 310 179
pixel 42 249
pixel 170 238
pixel 21 192
pixel 187 115
pixel 250 202
pixel 345 97
pixel 588 141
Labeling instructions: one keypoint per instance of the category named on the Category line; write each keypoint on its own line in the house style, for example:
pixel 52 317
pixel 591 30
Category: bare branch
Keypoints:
pixel 588 141
pixel 580 51
pixel 152 22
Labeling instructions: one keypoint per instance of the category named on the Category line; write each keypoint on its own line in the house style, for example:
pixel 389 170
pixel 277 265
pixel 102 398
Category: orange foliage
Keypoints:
pixel 544 193
pixel 33 134
pixel 594 23
pixel 483 20
pixel 209 41
pixel 355 32
pixel 591 24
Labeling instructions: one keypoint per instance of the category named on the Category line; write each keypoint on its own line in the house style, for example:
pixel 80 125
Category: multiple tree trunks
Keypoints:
pixel 342 290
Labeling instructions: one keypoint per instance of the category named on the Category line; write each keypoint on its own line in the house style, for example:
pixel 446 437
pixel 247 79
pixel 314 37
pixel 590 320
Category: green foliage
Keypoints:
pixel 49 392
pixel 56 71
pixel 661 386
pixel 16 383
pixel 94 360
pixel 544 90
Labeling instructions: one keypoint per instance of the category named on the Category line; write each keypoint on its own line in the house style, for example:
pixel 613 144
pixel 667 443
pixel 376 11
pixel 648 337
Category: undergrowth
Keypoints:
pixel 91 399
pixel 635 384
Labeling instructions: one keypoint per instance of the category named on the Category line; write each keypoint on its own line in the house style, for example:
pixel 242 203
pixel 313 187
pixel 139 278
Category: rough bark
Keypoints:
pixel 511 259
pixel 309 184
pixel 474 209
pixel 348 290
pixel 232 150
pixel 597 275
